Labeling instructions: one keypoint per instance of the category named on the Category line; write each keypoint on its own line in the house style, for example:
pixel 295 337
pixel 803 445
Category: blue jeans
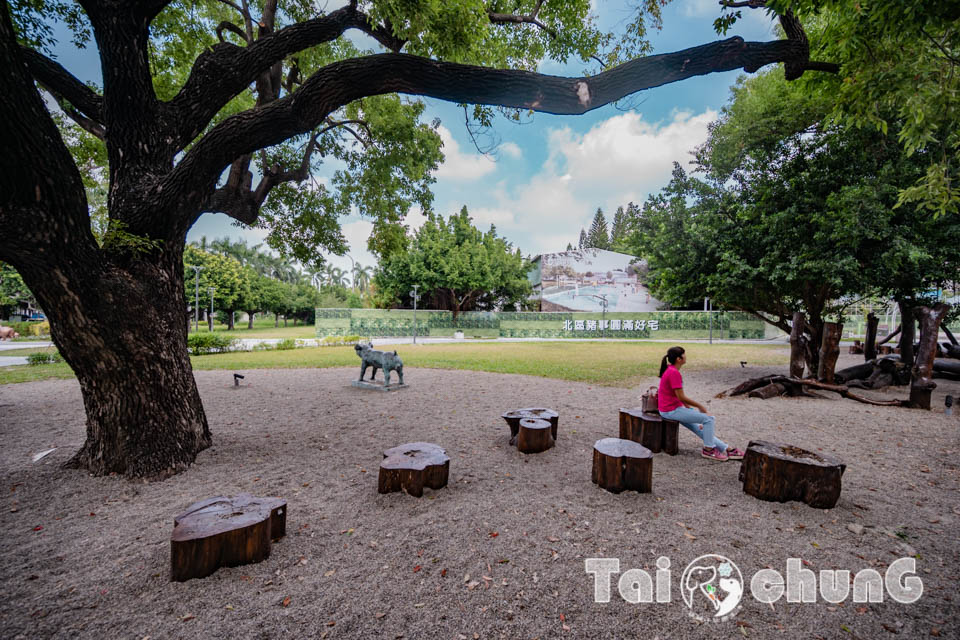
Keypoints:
pixel 699 423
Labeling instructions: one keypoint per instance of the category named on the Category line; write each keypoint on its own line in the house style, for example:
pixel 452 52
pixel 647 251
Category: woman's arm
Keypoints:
pixel 682 397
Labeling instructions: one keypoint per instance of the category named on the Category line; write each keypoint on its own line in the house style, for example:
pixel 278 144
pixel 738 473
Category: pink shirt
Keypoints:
pixel 667 399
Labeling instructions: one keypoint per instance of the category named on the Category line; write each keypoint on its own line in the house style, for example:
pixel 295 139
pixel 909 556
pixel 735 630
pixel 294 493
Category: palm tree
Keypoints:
pixel 362 276
pixel 335 276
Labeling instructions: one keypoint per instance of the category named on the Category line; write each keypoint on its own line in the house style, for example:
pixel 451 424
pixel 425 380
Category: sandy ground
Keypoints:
pixel 499 553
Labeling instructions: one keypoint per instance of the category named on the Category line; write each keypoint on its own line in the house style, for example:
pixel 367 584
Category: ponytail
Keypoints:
pixel 673 353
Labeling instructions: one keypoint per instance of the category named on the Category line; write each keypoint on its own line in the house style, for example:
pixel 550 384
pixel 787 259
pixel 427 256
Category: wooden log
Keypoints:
pixel 670 444
pixel 944 365
pixel 950 336
pixel 224 532
pixel 535 436
pixel 769 391
pixel 829 351
pixel 890 336
pixel 513 419
pixel 622 465
pixel 749 385
pixel 922 384
pixel 631 425
pixel 798 345
pixel 411 467
pixel 856 372
pixel 870 348
pixel 549 415
pixel 780 473
pixel 855 348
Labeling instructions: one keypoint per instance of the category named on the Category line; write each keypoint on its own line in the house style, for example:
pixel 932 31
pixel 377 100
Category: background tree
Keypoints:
pixel 583 243
pixel 599 236
pixel 793 215
pixel 899 68
pixel 261 93
pixel 621 228
pixel 569 247
pixel 457 266
pixel 12 291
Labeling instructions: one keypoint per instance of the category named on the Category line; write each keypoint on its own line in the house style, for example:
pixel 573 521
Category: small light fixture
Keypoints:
pixel 948 403
pixel 236 379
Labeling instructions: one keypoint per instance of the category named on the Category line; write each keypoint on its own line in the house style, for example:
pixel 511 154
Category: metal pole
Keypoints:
pixel 353 273
pixel 415 296
pixel 196 297
pixel 211 290
pixel 711 321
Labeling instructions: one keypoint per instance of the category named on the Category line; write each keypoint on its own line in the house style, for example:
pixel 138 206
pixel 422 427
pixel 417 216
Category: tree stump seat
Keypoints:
pixel 224 532
pixel 622 465
pixel 653 431
pixel 514 417
pixel 534 435
pixel 780 473
pixel 411 467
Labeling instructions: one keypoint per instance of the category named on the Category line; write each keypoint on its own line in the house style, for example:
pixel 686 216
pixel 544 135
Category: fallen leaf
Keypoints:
pixel 419 605
pixel 494 534
pixel 229 607
pixel 935 632
pixel 331 623
pixel 417 568
pixel 187 617
pixel 327 574
pixel 889 628
pixel 552 539
pixel 379 615
pixel 689 537
pixel 443 573
pixel 286 601
pixel 563 618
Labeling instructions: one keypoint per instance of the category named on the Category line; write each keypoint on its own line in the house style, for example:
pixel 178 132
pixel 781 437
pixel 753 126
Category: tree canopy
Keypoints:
pixel 457 267
pixel 793 213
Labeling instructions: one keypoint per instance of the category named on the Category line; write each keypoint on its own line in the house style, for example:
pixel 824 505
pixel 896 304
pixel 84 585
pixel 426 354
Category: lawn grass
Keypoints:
pixel 606 363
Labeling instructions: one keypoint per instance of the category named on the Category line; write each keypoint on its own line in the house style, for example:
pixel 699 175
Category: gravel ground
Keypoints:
pixel 499 552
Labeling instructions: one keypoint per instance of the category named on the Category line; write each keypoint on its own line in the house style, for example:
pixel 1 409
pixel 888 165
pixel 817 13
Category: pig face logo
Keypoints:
pixel 712 587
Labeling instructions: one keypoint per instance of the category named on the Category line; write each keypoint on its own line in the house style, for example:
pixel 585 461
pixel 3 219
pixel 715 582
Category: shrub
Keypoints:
pixel 205 343
pixel 44 357
pixel 286 344
pixel 263 346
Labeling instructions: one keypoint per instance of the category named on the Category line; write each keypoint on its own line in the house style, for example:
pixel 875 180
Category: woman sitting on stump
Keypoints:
pixel 674 404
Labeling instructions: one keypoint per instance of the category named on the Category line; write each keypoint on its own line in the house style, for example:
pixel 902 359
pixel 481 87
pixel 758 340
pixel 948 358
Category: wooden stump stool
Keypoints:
pixel 224 532
pixel 514 417
pixel 534 436
pixel 413 466
pixel 779 473
pixel 651 430
pixel 622 465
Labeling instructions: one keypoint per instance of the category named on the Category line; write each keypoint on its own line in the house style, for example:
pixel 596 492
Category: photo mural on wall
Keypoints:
pixel 579 280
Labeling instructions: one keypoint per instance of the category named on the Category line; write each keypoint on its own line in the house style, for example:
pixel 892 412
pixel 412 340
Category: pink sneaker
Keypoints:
pixel 735 454
pixel 713 454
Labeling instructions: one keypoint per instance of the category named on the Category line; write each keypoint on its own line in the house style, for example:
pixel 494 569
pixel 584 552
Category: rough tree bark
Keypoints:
pixel 907 332
pixel 922 384
pixel 829 351
pixel 870 348
pixel 798 345
pixel 115 311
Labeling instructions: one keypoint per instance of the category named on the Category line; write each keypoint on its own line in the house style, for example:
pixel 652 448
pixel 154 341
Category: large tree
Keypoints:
pixel 457 267
pixel 598 236
pixel 229 107
pixel 794 214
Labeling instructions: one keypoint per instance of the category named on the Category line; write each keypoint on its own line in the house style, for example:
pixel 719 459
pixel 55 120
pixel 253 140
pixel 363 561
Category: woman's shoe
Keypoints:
pixel 735 454
pixel 714 454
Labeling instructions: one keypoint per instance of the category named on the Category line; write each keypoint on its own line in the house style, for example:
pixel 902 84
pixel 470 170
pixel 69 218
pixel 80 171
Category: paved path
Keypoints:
pixel 10 345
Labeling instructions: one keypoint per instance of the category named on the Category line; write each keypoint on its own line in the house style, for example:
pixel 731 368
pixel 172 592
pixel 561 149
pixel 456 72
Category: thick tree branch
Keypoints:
pixel 226 25
pixel 64 85
pixel 343 82
pixel 225 70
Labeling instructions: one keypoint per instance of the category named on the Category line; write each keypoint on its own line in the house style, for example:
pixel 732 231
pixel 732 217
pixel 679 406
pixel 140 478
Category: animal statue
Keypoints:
pixel 7 333
pixel 386 360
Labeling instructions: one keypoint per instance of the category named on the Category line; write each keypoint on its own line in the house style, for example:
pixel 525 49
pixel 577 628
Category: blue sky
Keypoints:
pixel 549 176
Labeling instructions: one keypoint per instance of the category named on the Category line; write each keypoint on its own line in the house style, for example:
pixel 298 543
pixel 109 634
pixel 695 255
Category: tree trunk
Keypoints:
pixel 250 316
pixel 870 349
pixel 276 320
pixel 829 351
pixel 922 384
pixel 144 415
pixel 230 320
pixel 907 333
pixel 814 330
pixel 950 335
pixel 890 336
pixel 797 345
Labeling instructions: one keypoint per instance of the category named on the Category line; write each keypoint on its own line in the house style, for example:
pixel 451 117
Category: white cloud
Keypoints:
pixel 511 149
pixel 619 160
pixel 458 165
